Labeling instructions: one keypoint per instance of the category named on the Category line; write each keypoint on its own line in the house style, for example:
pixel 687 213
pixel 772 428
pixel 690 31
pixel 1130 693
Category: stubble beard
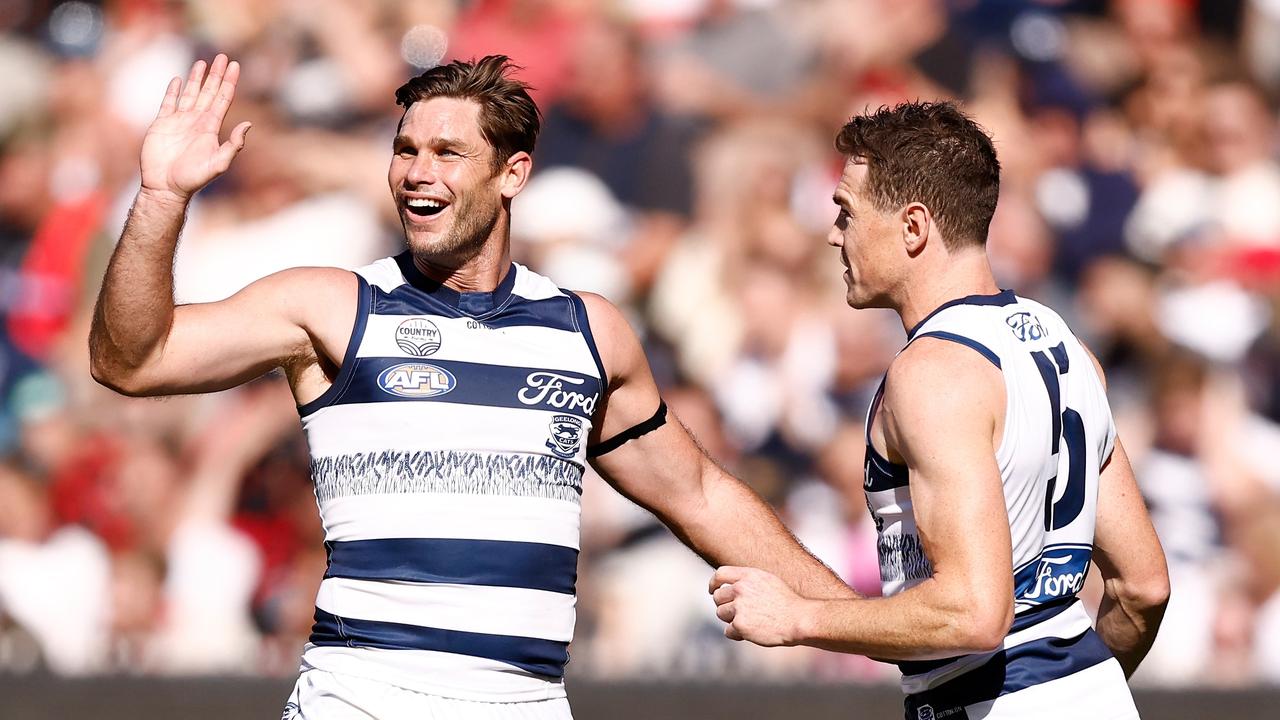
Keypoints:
pixel 474 218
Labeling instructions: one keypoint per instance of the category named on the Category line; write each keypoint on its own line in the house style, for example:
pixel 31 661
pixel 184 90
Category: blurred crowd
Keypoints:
pixel 685 171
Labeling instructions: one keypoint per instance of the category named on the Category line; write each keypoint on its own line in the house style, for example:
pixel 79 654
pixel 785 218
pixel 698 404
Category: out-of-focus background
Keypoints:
pixel 684 171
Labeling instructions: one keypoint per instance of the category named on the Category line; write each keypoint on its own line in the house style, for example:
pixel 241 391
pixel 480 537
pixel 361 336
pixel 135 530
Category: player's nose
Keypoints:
pixel 835 238
pixel 422 171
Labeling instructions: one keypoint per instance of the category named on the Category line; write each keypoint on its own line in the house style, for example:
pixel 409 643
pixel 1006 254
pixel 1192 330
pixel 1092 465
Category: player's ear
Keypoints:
pixel 515 173
pixel 917 222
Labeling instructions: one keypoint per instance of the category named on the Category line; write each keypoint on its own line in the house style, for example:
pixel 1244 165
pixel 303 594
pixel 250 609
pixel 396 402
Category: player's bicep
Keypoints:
pixel 636 444
pixel 217 345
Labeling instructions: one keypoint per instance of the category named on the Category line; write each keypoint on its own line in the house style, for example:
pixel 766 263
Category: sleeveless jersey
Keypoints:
pixel 447 459
pixel 1058 433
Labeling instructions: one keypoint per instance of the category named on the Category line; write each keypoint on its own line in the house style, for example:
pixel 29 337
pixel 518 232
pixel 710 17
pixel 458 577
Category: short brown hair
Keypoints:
pixel 928 152
pixel 509 119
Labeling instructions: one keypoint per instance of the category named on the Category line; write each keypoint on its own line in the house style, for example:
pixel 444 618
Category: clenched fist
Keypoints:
pixel 758 606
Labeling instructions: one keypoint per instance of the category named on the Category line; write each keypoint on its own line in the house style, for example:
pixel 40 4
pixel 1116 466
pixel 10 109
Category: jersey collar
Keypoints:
pixel 1004 297
pixel 471 303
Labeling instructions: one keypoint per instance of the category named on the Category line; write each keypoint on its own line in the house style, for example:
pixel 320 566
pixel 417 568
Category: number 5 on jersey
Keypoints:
pixel 1068 428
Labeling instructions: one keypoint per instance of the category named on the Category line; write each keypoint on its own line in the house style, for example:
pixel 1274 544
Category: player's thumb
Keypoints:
pixel 234 144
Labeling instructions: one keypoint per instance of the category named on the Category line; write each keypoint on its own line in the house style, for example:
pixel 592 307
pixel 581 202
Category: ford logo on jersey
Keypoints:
pixel 416 380
pixel 1059 573
pixel 1026 326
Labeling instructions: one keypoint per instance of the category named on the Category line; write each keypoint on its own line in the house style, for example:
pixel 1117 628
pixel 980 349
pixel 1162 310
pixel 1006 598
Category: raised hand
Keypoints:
pixel 181 152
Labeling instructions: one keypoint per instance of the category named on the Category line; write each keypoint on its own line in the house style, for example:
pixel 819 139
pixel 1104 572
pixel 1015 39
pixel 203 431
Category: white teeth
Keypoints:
pixel 423 202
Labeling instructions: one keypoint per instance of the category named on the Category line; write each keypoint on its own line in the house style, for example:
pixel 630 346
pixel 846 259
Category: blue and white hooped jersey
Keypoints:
pixel 447 459
pixel 1058 433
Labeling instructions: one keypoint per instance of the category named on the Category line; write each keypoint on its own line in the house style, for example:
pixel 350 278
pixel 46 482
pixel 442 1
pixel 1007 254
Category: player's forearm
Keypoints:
pixel 735 526
pixel 1128 621
pixel 135 306
pixel 925 623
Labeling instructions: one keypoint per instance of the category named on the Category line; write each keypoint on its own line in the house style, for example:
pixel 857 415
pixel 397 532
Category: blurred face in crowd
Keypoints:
pixel 869 241
pixel 1238 128
pixel 443 181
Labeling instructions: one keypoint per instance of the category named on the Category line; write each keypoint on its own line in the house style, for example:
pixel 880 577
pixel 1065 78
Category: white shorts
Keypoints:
pixel 1097 693
pixel 321 695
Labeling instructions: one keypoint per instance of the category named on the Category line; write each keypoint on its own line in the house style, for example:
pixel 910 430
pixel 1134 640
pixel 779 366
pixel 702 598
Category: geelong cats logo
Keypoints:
pixel 566 435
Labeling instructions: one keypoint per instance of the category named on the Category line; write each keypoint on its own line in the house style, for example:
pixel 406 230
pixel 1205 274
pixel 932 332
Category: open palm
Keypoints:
pixel 181 152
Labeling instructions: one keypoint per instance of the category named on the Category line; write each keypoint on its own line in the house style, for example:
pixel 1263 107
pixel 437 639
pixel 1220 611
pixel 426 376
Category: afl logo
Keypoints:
pixel 416 380
pixel 418 336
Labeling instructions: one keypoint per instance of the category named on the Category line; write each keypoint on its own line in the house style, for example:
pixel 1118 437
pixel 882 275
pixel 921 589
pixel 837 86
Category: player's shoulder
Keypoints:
pixel 935 388
pixel 614 338
pixel 605 317
pixel 939 363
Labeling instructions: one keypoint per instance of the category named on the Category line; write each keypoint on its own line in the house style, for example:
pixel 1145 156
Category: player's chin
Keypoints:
pixel 854 295
pixel 424 240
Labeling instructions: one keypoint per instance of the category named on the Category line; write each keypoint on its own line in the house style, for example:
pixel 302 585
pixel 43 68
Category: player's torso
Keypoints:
pixel 1057 432
pixel 447 459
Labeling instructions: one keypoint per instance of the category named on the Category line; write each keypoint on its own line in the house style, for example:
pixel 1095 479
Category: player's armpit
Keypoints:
pixel 1131 560
pixel 287 317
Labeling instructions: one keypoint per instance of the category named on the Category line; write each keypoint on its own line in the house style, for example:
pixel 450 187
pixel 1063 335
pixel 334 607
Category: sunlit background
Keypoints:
pixel 684 171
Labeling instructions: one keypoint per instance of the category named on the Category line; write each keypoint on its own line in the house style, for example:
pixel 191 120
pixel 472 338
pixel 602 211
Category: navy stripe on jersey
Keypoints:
pixel 541 657
pixel 584 325
pixel 969 342
pixel 1004 297
pixel 363 302
pixel 1020 622
pixel 881 474
pixel 497 563
pixel 389 472
pixel 555 313
pixel 1018 668
pixel 1057 572
pixel 379 379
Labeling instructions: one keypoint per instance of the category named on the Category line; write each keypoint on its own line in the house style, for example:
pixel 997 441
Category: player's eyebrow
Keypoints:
pixel 436 141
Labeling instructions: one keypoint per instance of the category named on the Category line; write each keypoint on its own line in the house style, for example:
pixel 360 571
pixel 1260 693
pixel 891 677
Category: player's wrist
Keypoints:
pixel 806 622
pixel 158 198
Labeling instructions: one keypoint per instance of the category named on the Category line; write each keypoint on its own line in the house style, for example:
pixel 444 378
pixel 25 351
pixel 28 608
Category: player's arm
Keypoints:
pixel 942 425
pixel 140 344
pixel 665 471
pixel 1131 560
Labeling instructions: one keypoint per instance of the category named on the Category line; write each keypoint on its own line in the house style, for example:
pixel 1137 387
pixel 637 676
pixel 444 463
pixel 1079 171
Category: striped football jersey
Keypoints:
pixel 1058 433
pixel 447 459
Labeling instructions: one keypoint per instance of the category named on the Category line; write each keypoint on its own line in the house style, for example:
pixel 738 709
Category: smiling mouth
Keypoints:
pixel 424 207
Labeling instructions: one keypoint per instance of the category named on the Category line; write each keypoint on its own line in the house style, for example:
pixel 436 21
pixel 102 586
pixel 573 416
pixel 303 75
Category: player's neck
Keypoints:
pixel 478 273
pixel 964 274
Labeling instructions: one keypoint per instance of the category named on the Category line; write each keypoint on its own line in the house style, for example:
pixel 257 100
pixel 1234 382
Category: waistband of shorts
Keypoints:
pixel 1008 671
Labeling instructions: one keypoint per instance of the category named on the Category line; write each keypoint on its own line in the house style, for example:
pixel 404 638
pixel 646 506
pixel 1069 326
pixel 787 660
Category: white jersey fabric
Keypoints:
pixel 1058 433
pixel 447 459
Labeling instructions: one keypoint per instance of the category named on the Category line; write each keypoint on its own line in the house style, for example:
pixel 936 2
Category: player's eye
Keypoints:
pixel 842 219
